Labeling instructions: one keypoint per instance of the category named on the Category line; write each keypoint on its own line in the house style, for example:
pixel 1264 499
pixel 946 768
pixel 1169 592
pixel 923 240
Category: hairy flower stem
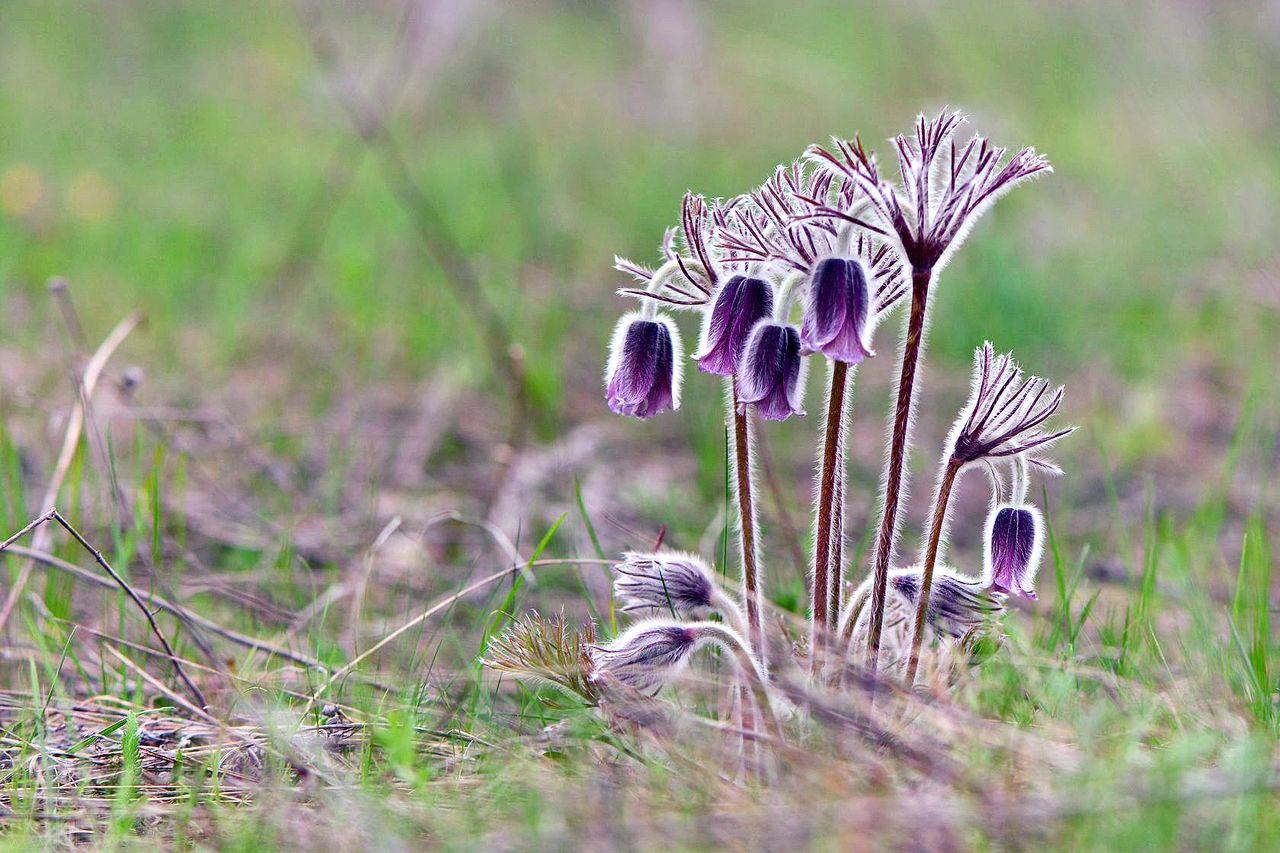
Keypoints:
pixel 897 454
pixel 748 667
pixel 747 520
pixel 945 482
pixel 826 512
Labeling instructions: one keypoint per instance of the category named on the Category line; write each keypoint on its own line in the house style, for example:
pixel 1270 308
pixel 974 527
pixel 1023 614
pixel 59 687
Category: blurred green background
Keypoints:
pixel 195 160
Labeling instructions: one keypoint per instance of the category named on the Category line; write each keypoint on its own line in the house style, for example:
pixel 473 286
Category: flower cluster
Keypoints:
pixel 806 267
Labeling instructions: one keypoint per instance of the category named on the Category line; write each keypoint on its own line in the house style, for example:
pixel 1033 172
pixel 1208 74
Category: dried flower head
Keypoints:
pixel 1012 547
pixel 645 366
pixel 644 657
pixel 546 650
pixel 737 306
pixel 771 375
pixel 945 186
pixel 957 604
pixel 1005 413
pixel 672 582
pixel 836 312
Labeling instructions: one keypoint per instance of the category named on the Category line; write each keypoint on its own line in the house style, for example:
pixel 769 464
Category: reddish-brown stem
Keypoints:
pixel 747 518
pixel 826 506
pixel 836 568
pixel 897 454
pixel 947 480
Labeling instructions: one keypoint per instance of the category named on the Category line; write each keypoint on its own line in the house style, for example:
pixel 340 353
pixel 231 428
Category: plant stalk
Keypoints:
pixel 947 480
pixel 825 512
pixel 835 586
pixel 897 454
pixel 747 520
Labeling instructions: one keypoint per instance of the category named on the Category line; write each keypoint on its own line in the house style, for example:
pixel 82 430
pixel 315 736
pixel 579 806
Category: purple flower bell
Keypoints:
pixel 1012 550
pixel 645 367
pixel 739 304
pixel 836 311
pixel 770 375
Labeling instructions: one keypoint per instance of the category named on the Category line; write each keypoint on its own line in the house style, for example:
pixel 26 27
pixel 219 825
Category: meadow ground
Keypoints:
pixel 370 248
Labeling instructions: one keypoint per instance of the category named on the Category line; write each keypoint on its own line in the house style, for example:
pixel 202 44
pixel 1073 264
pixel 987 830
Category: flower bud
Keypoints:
pixel 836 310
pixel 957 604
pixel 770 373
pixel 644 657
pixel 739 304
pixel 643 376
pixel 674 583
pixel 1012 550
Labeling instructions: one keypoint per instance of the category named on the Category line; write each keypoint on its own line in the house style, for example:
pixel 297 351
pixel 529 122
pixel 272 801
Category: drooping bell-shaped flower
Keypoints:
pixel 771 375
pixel 645 656
pixel 1012 548
pixel 957 604
pixel 645 366
pixel 740 303
pixel 679 584
pixel 836 311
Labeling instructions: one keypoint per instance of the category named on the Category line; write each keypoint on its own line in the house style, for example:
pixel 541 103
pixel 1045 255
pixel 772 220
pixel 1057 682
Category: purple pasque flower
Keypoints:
pixel 836 311
pixel 645 365
pixel 681 584
pixel 738 305
pixel 1011 549
pixel 645 656
pixel 945 187
pixel 957 604
pixel 771 375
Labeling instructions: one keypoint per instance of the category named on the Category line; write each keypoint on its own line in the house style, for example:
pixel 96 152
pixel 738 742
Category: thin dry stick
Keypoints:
pixel 164 604
pixel 897 453
pixel 53 515
pixel 826 493
pixel 70 441
pixel 948 480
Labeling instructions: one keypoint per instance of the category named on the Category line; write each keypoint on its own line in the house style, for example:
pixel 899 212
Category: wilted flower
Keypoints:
pixel 646 656
pixel 680 584
pixel 770 375
pixel 957 604
pixel 1012 548
pixel 945 186
pixel 836 311
pixel 1004 413
pixel 645 366
pixel 738 305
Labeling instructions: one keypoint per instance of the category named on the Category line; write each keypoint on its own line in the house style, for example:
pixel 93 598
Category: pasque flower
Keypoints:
pixel 1011 549
pixel 771 374
pixel 680 584
pixel 645 366
pixel 645 656
pixel 737 306
pixel 957 604
pixel 836 311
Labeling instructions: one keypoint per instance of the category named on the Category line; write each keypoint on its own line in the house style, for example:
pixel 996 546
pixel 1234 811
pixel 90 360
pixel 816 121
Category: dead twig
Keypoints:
pixel 70 441
pixel 52 514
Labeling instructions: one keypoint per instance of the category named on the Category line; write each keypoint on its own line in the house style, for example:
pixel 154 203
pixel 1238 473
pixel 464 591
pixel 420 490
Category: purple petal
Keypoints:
pixel 739 305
